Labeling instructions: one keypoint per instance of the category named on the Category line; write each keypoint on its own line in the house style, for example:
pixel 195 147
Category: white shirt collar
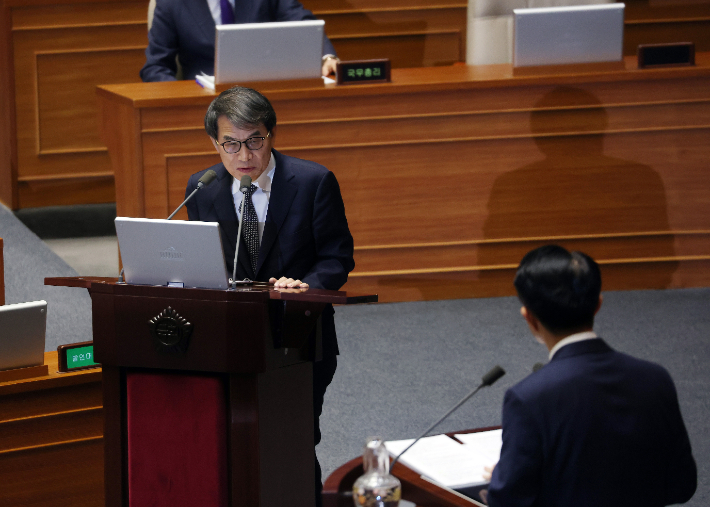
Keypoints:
pixel 263 181
pixel 573 338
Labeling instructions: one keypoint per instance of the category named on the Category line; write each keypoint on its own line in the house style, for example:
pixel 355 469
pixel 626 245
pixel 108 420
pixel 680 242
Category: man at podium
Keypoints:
pixel 294 234
pixel 593 427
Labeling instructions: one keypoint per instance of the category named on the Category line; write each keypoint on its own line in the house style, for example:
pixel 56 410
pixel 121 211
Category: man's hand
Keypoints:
pixel 329 66
pixel 488 473
pixel 288 283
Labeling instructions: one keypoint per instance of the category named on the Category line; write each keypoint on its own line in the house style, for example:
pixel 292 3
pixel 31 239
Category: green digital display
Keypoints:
pixel 363 71
pixel 80 357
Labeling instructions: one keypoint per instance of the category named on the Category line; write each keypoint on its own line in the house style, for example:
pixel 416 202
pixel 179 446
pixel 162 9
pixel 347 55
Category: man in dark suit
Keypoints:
pixel 303 232
pixel 186 29
pixel 593 427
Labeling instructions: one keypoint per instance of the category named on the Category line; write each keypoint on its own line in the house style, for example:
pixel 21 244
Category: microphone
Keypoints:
pixel 244 184
pixel 205 180
pixel 488 379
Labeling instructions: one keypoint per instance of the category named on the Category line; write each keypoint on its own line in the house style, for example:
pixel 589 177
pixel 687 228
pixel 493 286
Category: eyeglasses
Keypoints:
pixel 253 143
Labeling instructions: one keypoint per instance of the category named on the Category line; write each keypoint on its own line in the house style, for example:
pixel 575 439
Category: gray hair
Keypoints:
pixel 243 107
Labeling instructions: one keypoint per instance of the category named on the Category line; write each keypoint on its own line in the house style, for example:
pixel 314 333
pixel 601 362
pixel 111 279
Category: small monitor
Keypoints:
pixel 268 51
pixel 22 334
pixel 172 252
pixel 565 35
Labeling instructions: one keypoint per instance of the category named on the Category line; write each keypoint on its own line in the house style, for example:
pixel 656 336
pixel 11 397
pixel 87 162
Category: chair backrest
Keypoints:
pixel 2 277
pixel 490 27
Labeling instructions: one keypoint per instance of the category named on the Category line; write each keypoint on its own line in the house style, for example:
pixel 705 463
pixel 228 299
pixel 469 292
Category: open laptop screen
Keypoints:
pixel 172 252
pixel 268 51
pixel 572 34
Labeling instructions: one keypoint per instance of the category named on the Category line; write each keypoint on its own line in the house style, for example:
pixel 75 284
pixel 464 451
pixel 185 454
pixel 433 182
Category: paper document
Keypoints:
pixel 446 461
pixel 485 443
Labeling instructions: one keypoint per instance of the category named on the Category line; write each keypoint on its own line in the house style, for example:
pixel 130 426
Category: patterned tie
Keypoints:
pixel 250 227
pixel 227 12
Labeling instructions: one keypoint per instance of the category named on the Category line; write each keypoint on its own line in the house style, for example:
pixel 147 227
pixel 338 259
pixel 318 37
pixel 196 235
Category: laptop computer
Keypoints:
pixel 22 334
pixel 172 252
pixel 572 34
pixel 268 51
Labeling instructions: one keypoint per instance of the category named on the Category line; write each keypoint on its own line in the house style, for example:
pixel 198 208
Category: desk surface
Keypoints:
pixel 614 157
pixel 175 93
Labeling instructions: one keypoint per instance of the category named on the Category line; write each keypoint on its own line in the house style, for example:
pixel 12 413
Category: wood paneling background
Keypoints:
pixel 450 175
pixel 51 439
pixel 2 275
pixel 53 53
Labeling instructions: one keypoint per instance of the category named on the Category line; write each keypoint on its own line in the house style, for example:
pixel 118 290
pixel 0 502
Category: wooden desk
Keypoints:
pixel 51 439
pixel 2 275
pixel 451 174
pixel 53 53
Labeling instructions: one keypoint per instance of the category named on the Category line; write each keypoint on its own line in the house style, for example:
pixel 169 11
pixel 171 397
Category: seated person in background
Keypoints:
pixel 593 427
pixel 186 29
pixel 295 233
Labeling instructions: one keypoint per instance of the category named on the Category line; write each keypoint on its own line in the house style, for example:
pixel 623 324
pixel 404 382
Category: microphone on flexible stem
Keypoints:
pixel 205 180
pixel 488 379
pixel 244 184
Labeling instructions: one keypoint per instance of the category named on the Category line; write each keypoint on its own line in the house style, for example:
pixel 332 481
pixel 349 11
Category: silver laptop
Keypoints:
pixel 22 332
pixel 268 51
pixel 573 34
pixel 171 252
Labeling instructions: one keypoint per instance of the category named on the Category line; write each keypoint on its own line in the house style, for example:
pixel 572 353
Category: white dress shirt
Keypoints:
pixel 261 195
pixel 573 338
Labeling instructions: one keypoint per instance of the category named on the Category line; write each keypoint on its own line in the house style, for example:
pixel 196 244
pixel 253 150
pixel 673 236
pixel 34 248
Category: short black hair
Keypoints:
pixel 560 288
pixel 244 107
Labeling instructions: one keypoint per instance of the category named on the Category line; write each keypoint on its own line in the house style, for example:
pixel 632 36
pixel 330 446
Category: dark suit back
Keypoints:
pixel 594 427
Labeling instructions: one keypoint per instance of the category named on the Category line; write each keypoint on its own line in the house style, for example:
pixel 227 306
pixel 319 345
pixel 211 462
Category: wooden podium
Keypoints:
pixel 337 489
pixel 207 393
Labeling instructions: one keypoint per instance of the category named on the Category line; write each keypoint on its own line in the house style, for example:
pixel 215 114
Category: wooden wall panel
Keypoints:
pixel 2 274
pixel 59 53
pixel 450 175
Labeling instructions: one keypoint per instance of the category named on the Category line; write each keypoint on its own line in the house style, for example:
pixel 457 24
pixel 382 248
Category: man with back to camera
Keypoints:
pixel 593 427
pixel 295 207
pixel 186 29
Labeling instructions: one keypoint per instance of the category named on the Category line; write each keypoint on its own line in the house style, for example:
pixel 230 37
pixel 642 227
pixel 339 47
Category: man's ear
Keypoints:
pixel 530 319
pixel 214 142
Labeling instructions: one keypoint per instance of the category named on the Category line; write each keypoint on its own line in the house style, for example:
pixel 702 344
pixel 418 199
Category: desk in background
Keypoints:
pixel 51 439
pixel 53 54
pixel 449 175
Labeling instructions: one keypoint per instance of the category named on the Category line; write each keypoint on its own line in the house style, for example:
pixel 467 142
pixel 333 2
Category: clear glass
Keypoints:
pixel 376 488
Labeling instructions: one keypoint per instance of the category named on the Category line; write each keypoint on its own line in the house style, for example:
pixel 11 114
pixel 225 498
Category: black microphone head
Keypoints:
pixel 537 366
pixel 244 183
pixel 207 178
pixel 493 375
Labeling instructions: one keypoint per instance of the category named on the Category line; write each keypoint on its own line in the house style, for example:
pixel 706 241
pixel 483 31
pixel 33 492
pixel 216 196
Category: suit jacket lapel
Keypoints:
pixel 227 216
pixel 200 12
pixel 283 191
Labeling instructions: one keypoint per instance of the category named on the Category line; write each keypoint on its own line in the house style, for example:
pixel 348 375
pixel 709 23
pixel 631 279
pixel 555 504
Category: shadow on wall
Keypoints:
pixel 576 189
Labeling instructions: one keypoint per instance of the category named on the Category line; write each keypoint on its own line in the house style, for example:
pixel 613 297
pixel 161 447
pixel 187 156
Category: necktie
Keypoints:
pixel 227 12
pixel 250 227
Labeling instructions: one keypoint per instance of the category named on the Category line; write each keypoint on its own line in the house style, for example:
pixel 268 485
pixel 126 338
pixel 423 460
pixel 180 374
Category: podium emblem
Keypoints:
pixel 170 331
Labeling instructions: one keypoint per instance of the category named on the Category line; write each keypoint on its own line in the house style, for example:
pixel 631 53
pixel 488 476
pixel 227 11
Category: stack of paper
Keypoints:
pixel 449 463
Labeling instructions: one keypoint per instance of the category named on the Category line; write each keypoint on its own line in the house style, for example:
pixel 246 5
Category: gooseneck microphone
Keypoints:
pixel 244 184
pixel 205 180
pixel 488 379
